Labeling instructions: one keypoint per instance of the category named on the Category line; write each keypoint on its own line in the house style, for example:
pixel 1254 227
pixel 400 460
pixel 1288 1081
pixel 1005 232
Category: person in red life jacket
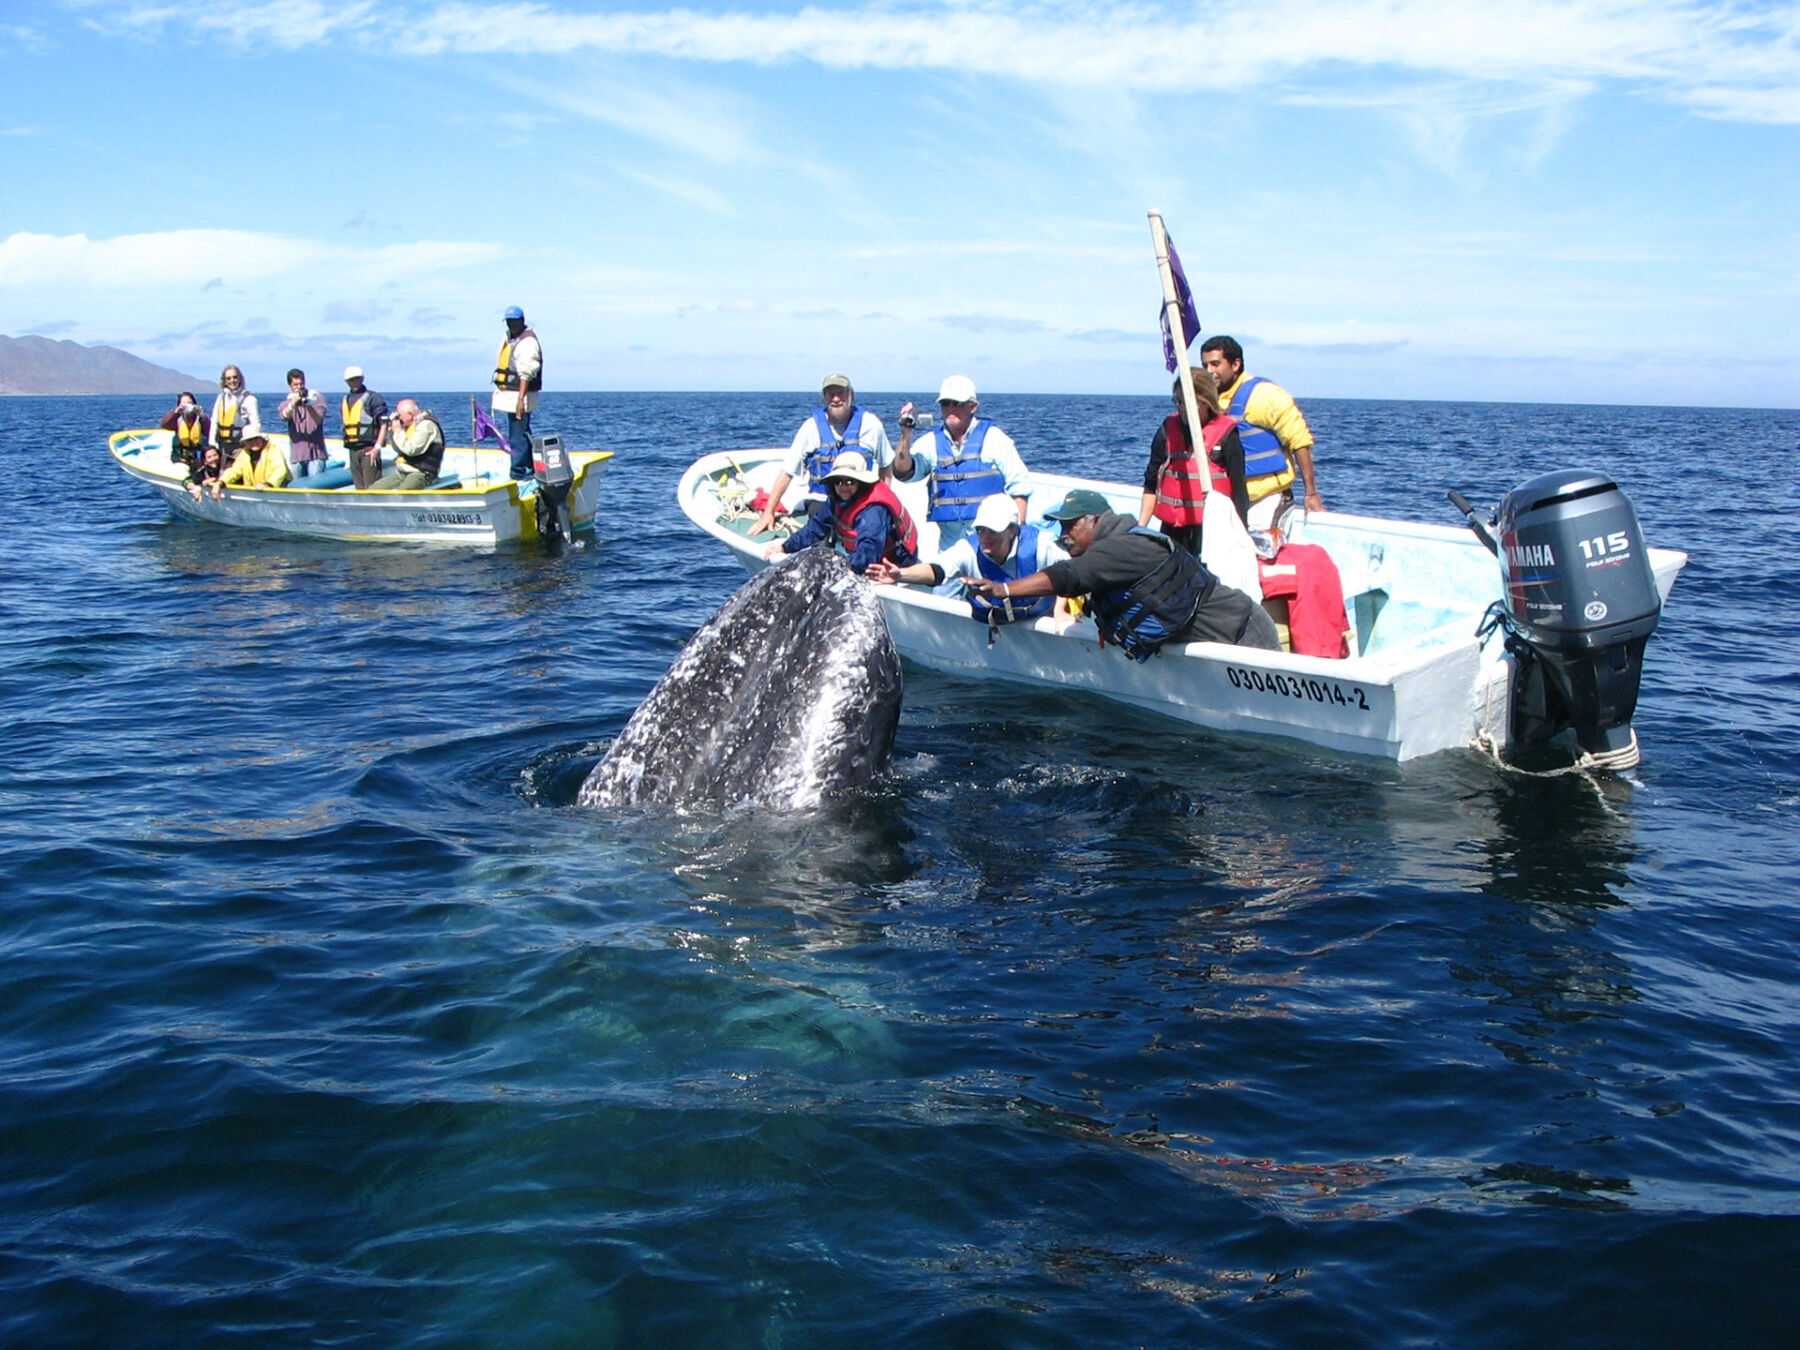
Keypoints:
pixel 1175 484
pixel 865 518
pixel 1277 441
pixel 188 430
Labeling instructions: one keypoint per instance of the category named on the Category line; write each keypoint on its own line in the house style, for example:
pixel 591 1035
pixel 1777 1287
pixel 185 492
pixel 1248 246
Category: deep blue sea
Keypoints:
pixel 330 1020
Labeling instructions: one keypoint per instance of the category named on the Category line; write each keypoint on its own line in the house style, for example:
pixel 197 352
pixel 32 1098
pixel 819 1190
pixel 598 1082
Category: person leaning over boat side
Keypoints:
pixel 203 474
pixel 188 430
pixel 835 424
pixel 418 443
pixel 865 517
pixel 1276 439
pixel 1175 486
pixel 365 417
pixel 967 459
pixel 1001 549
pixel 258 464
pixel 304 412
pixel 518 376
pixel 1144 592
pixel 232 411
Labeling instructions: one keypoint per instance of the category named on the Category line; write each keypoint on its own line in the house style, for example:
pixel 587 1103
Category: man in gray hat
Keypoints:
pixel 836 425
pixel 1143 591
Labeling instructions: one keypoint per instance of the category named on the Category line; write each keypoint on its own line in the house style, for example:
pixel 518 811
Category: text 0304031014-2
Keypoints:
pixel 1305 688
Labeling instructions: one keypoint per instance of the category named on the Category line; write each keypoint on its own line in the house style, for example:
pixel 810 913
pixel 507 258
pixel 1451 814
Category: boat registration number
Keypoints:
pixel 446 518
pixel 1306 689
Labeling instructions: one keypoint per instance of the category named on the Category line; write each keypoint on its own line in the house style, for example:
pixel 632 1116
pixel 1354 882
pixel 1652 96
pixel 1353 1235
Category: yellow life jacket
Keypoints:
pixel 187 432
pixel 356 435
pixel 505 377
pixel 226 432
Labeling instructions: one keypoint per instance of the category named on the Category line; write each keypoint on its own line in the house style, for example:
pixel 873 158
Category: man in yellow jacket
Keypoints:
pixel 1276 439
pixel 258 464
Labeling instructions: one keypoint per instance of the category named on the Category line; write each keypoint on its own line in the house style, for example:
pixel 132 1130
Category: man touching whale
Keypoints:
pixel 1144 592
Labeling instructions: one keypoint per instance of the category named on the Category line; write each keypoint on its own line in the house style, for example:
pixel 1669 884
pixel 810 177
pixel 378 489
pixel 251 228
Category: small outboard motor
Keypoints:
pixel 550 464
pixel 1581 602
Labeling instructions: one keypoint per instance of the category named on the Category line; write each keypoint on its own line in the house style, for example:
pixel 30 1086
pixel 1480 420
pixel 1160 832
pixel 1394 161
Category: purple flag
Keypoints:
pixel 1190 317
pixel 484 425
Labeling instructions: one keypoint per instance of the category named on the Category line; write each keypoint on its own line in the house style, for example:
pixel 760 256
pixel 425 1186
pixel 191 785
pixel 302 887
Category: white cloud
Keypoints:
pixel 195 258
pixel 1723 60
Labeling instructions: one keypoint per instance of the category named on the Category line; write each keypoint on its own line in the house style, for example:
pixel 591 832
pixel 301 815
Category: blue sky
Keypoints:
pixel 1525 201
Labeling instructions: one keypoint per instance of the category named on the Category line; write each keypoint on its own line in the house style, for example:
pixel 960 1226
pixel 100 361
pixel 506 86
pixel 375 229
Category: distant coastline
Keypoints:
pixel 41 365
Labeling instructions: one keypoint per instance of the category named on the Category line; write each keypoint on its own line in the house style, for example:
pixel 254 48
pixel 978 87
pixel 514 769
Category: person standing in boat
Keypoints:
pixel 304 412
pixel 1177 479
pixel 258 464
pixel 836 424
pixel 967 459
pixel 418 443
pixel 864 517
pixel 1277 442
pixel 189 430
pixel 233 410
pixel 1143 591
pixel 518 376
pixel 365 417
pixel 1001 549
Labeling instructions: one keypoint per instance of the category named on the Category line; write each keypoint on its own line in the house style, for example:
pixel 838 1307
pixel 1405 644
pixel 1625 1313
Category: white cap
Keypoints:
pixel 957 389
pixel 353 372
pixel 252 432
pixel 996 513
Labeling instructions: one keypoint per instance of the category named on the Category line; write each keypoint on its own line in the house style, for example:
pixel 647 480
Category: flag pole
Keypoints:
pixel 1190 406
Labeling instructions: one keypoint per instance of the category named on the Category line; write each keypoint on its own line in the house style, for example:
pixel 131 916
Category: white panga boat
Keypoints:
pixel 475 500
pixel 1421 677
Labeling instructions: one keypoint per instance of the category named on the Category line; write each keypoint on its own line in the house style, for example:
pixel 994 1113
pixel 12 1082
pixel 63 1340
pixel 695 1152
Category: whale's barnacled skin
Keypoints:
pixel 787 696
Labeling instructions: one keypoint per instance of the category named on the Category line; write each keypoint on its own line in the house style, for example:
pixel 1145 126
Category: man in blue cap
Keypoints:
pixel 1144 592
pixel 518 376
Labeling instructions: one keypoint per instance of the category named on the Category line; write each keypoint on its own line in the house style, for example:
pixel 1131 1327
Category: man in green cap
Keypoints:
pixel 1144 592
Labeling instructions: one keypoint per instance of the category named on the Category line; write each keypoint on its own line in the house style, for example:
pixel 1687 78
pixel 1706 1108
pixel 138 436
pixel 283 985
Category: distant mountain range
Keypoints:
pixel 40 365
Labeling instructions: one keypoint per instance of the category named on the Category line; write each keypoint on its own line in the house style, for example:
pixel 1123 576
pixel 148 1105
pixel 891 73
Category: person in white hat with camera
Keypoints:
pixel 967 458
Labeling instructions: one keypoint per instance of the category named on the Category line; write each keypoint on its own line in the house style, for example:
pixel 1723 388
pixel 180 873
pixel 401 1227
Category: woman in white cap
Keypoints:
pixel 864 517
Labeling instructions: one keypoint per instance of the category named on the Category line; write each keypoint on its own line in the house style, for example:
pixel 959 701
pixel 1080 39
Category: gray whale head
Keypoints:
pixel 788 696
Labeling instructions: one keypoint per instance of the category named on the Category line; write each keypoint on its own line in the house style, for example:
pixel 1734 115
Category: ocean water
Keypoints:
pixel 329 1019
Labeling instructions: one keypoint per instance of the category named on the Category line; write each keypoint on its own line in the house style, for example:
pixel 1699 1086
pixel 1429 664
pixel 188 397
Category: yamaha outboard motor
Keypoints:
pixel 550 465
pixel 1581 602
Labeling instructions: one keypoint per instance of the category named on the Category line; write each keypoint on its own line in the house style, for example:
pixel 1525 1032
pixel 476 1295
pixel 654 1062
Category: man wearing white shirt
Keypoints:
pixel 836 425
pixel 967 459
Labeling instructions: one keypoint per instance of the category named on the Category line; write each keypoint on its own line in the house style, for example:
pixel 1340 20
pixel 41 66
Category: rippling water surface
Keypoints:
pixel 330 1020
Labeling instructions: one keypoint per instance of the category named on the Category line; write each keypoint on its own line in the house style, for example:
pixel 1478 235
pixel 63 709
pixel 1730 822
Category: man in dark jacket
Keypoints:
pixel 1144 592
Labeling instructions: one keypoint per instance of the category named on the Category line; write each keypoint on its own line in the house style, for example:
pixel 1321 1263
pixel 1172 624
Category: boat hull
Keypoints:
pixel 1421 680
pixel 485 507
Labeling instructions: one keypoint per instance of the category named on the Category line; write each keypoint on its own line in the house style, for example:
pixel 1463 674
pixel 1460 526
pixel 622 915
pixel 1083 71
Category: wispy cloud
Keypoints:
pixel 991 323
pixel 188 258
pixel 1721 59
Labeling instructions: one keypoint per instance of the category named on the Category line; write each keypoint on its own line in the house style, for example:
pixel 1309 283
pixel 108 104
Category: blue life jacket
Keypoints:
pixel 831 445
pixel 1143 616
pixel 962 480
pixel 1022 564
pixel 1263 452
